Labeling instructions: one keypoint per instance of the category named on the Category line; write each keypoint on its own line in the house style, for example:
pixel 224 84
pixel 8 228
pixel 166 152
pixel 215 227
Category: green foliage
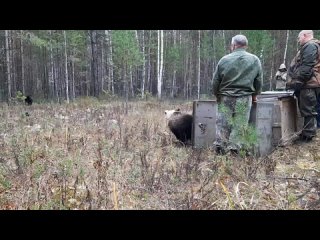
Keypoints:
pixel 245 133
pixel 76 39
pixel 126 49
pixel 4 182
pixel 173 57
pixel 86 102
pixel 37 40
pixel 260 42
pixel 219 47
pixel 147 95
pixel 316 34
pixel 39 170
pixel 20 97
pixel 107 95
pixel 205 96
pixel 206 46
pixel 66 167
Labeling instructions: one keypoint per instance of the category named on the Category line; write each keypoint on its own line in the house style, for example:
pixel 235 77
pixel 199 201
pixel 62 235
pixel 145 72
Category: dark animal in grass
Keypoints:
pixel 180 124
pixel 28 100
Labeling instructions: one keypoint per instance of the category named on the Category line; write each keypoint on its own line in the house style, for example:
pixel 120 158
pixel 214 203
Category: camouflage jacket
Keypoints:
pixel 238 74
pixel 304 69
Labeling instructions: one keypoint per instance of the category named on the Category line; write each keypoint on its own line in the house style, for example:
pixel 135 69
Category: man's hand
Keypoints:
pixel 254 98
pixel 289 85
pixel 296 85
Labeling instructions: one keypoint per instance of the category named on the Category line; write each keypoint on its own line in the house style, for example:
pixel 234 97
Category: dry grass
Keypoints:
pixel 92 155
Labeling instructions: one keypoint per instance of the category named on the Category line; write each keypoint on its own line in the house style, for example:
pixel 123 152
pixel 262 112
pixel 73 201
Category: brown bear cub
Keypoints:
pixel 28 101
pixel 180 124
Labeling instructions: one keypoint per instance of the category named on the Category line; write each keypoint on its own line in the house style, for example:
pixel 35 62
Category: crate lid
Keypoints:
pixel 275 94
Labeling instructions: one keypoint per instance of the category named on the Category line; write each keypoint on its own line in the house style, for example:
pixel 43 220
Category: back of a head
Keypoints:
pixel 239 40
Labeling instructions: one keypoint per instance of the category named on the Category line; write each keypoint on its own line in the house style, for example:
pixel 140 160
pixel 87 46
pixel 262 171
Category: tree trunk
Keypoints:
pixel 160 62
pixel 185 79
pixel 131 81
pixel 50 68
pixel 285 49
pixel 89 65
pixel 271 70
pixel 110 61
pixel 214 52
pixel 94 64
pixel 66 65
pixel 103 67
pixel 198 77
pixel 149 63
pixel 125 87
pixel 224 41
pixel 22 63
pixel 143 66
pixel 173 85
pixel 73 79
pixel 7 36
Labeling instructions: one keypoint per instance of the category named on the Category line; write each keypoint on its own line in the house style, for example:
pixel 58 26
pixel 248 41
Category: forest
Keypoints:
pixel 61 65
pixel 93 134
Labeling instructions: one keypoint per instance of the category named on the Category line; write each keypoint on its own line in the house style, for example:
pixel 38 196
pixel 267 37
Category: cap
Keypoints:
pixel 282 66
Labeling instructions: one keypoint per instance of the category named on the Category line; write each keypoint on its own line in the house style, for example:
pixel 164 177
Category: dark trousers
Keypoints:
pixel 318 111
pixel 308 105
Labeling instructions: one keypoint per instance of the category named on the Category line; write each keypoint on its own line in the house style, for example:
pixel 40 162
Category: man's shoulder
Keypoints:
pixel 225 58
pixel 312 44
pixel 252 55
pixel 314 41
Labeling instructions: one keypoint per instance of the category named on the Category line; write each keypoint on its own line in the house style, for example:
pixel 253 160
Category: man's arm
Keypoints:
pixel 258 79
pixel 216 81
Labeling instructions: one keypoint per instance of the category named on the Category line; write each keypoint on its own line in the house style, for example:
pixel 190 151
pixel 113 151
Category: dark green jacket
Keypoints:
pixel 238 74
pixel 304 68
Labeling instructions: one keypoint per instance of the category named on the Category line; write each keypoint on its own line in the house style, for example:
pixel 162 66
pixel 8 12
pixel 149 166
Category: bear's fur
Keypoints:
pixel 180 124
pixel 28 100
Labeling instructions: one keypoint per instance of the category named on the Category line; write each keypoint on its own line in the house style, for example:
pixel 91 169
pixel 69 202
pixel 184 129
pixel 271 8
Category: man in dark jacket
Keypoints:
pixel 237 81
pixel 304 79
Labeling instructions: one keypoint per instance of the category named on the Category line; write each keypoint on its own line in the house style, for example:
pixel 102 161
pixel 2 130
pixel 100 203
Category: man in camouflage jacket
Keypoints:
pixel 237 81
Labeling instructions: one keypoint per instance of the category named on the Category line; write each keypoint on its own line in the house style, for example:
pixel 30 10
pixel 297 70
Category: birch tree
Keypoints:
pixel 143 66
pixel 149 63
pixel 224 42
pixel 173 85
pixel 160 61
pixel 285 49
pixel 271 70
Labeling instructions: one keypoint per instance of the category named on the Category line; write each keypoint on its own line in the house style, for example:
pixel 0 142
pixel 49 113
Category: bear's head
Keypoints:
pixel 171 113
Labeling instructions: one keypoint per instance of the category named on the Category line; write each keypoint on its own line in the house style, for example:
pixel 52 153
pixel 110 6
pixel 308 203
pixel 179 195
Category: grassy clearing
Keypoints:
pixel 107 155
